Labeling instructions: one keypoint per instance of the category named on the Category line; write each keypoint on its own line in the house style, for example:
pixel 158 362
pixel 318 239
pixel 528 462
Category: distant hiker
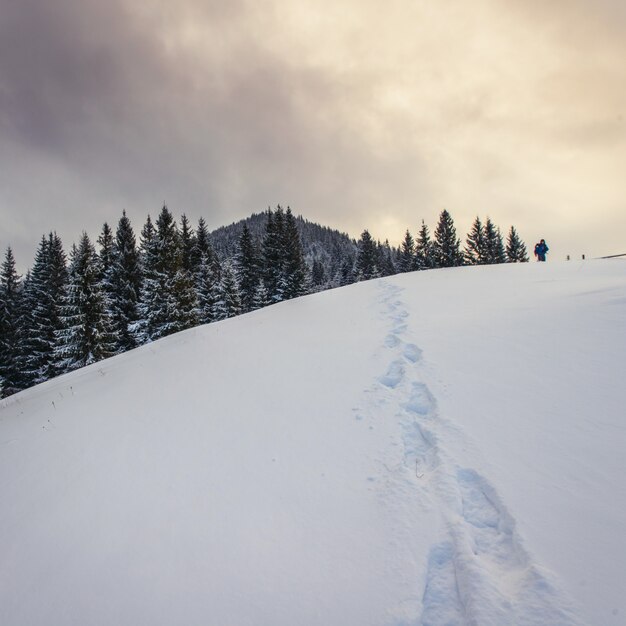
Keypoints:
pixel 540 250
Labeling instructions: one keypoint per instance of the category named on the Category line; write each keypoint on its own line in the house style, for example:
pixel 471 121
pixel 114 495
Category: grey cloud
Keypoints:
pixel 105 112
pixel 65 63
pixel 112 105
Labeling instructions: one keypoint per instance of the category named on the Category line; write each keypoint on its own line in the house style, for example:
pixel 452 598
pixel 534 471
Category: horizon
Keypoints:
pixel 23 267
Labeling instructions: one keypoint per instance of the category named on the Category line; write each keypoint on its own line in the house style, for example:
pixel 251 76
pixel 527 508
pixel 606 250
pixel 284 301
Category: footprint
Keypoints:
pixel 399 328
pixel 421 401
pixel 441 602
pixel 478 498
pixel 394 375
pixel 392 340
pixel 490 525
pixel 412 353
pixel 420 449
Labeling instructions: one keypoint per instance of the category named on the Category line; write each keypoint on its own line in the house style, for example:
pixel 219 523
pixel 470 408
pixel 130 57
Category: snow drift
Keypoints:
pixel 444 447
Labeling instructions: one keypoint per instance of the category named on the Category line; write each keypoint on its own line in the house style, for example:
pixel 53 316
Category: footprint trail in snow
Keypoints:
pixel 478 572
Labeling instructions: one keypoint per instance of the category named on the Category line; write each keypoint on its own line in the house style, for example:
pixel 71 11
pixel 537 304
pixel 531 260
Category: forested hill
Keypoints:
pixel 125 293
pixel 321 245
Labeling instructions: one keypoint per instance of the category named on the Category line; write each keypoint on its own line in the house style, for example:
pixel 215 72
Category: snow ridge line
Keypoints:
pixel 479 573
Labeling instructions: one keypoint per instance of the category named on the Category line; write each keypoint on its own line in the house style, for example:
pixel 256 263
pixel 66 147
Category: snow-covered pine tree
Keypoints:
pixel 384 261
pixel 406 262
pixel 106 257
pixel 147 234
pixel 187 243
pixel 161 260
pixel 145 240
pixel 33 347
pixel 446 247
pixel 515 248
pixel 10 312
pixel 86 335
pixel 125 285
pixel 493 244
pixel 367 257
pixel 274 255
pixel 318 277
pixel 424 250
pixel 42 303
pixel 248 269
pixel 294 267
pixel 167 301
pixel 476 245
pixel 205 279
pixel 105 252
pixel 23 345
pixel 226 299
pixel 202 247
pixel 146 322
pixel 261 297
pixel 347 274
pixel 182 302
pixel 72 261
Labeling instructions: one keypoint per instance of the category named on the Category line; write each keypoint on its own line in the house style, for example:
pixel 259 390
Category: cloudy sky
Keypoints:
pixel 356 113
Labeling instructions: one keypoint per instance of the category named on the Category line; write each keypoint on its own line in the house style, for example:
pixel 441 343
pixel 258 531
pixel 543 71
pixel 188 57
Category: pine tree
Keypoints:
pixel 148 233
pixel 248 269
pixel 34 348
pixel 201 247
pixel 424 250
pixel 500 252
pixel 476 245
pixel 168 243
pixel 226 299
pixel 367 256
pixel 273 255
pixel 347 274
pixel 10 313
pixel 515 248
pixel 261 297
pixel 187 243
pixel 42 303
pixel 23 354
pixel 384 260
pixel 493 244
pixel 162 259
pixel 105 241
pixel 446 247
pixel 318 276
pixel 294 267
pixel 407 262
pixel 106 258
pixel 125 285
pixel 206 278
pixel 182 303
pixel 86 335
pixel 168 298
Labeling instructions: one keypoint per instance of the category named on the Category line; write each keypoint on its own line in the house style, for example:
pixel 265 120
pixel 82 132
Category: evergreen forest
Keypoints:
pixel 104 298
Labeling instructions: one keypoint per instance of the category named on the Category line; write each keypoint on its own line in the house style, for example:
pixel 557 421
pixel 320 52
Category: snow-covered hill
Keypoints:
pixel 445 447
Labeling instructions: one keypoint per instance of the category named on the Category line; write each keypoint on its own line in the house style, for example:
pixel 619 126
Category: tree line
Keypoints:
pixel 119 294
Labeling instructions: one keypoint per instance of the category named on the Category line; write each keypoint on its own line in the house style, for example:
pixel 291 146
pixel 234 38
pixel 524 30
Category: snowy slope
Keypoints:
pixel 436 448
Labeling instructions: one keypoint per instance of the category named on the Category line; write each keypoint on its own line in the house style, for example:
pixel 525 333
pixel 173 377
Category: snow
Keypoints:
pixel 436 448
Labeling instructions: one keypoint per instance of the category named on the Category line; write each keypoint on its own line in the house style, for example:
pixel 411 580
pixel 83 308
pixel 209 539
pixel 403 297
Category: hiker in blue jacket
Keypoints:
pixel 540 250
